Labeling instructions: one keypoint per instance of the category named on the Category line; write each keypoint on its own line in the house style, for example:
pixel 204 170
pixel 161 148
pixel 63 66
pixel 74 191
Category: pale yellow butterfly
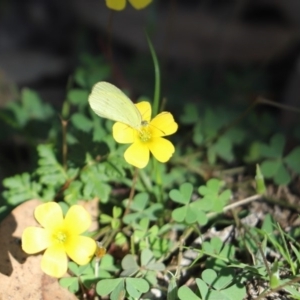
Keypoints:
pixel 109 102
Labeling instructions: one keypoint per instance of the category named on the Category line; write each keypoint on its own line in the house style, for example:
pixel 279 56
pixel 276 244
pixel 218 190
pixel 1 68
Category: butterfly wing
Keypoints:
pixel 109 102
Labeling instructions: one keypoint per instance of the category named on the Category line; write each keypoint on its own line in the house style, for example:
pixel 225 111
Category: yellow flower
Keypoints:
pixel 148 138
pixel 120 4
pixel 60 237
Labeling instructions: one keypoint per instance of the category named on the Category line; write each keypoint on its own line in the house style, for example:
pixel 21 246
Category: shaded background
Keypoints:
pixel 211 51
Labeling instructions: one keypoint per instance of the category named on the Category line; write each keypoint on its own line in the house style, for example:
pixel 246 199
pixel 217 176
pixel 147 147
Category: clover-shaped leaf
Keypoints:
pixel 140 204
pixel 148 261
pixel 254 152
pixel 115 286
pixel 129 265
pixel 219 253
pixel 211 193
pixel 141 230
pixel 221 148
pixel 215 286
pixel 114 219
pixel 189 212
pixel 275 169
pixel 107 264
pixel 136 287
pixel 275 166
pixel 293 159
pixel 276 147
pixel 185 292
pixel 218 282
pixel 271 167
pixel 182 195
pixel 83 274
pixel 70 283
pixel 159 245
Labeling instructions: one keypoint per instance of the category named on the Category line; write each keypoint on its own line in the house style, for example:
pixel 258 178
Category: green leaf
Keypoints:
pixel 120 239
pixel 106 286
pixel 20 188
pixel 93 178
pixel 81 122
pixel 138 284
pixel 146 257
pixel 50 170
pixel 78 96
pixel 129 265
pixel 293 160
pixel 107 263
pixel 223 148
pixel 259 180
pixel 276 147
pixel 140 202
pixel 211 194
pixel 268 225
pixel 73 192
pixel 143 209
pixel 296 251
pixel 148 260
pixel 270 168
pixel 182 195
pixel 119 292
pixel 254 153
pixel 70 283
pixel 209 276
pixel 185 293
pixel 179 214
pixel 203 288
pixel 131 290
pixel 282 177
pixel 74 268
pixel 117 211
pixel 172 289
pixel 30 108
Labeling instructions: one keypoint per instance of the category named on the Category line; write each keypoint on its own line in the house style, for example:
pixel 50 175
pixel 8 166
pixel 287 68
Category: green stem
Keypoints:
pixel 156 96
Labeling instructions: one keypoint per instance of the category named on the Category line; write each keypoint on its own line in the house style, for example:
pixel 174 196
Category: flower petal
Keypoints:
pixel 140 4
pixel 145 109
pixel 116 4
pixel 81 249
pixel 35 239
pixel 55 261
pixel 161 149
pixel 163 124
pixel 49 215
pixel 77 220
pixel 137 155
pixel 123 134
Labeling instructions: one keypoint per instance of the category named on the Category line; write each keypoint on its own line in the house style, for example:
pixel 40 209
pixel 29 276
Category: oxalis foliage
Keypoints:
pixel 160 224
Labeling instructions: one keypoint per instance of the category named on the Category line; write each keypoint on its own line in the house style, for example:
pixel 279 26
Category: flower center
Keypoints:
pixel 145 133
pixel 60 237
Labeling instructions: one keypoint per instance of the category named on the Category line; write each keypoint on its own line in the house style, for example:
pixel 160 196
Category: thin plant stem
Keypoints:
pixel 156 96
pixel 261 100
pixel 132 191
pixel 258 243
